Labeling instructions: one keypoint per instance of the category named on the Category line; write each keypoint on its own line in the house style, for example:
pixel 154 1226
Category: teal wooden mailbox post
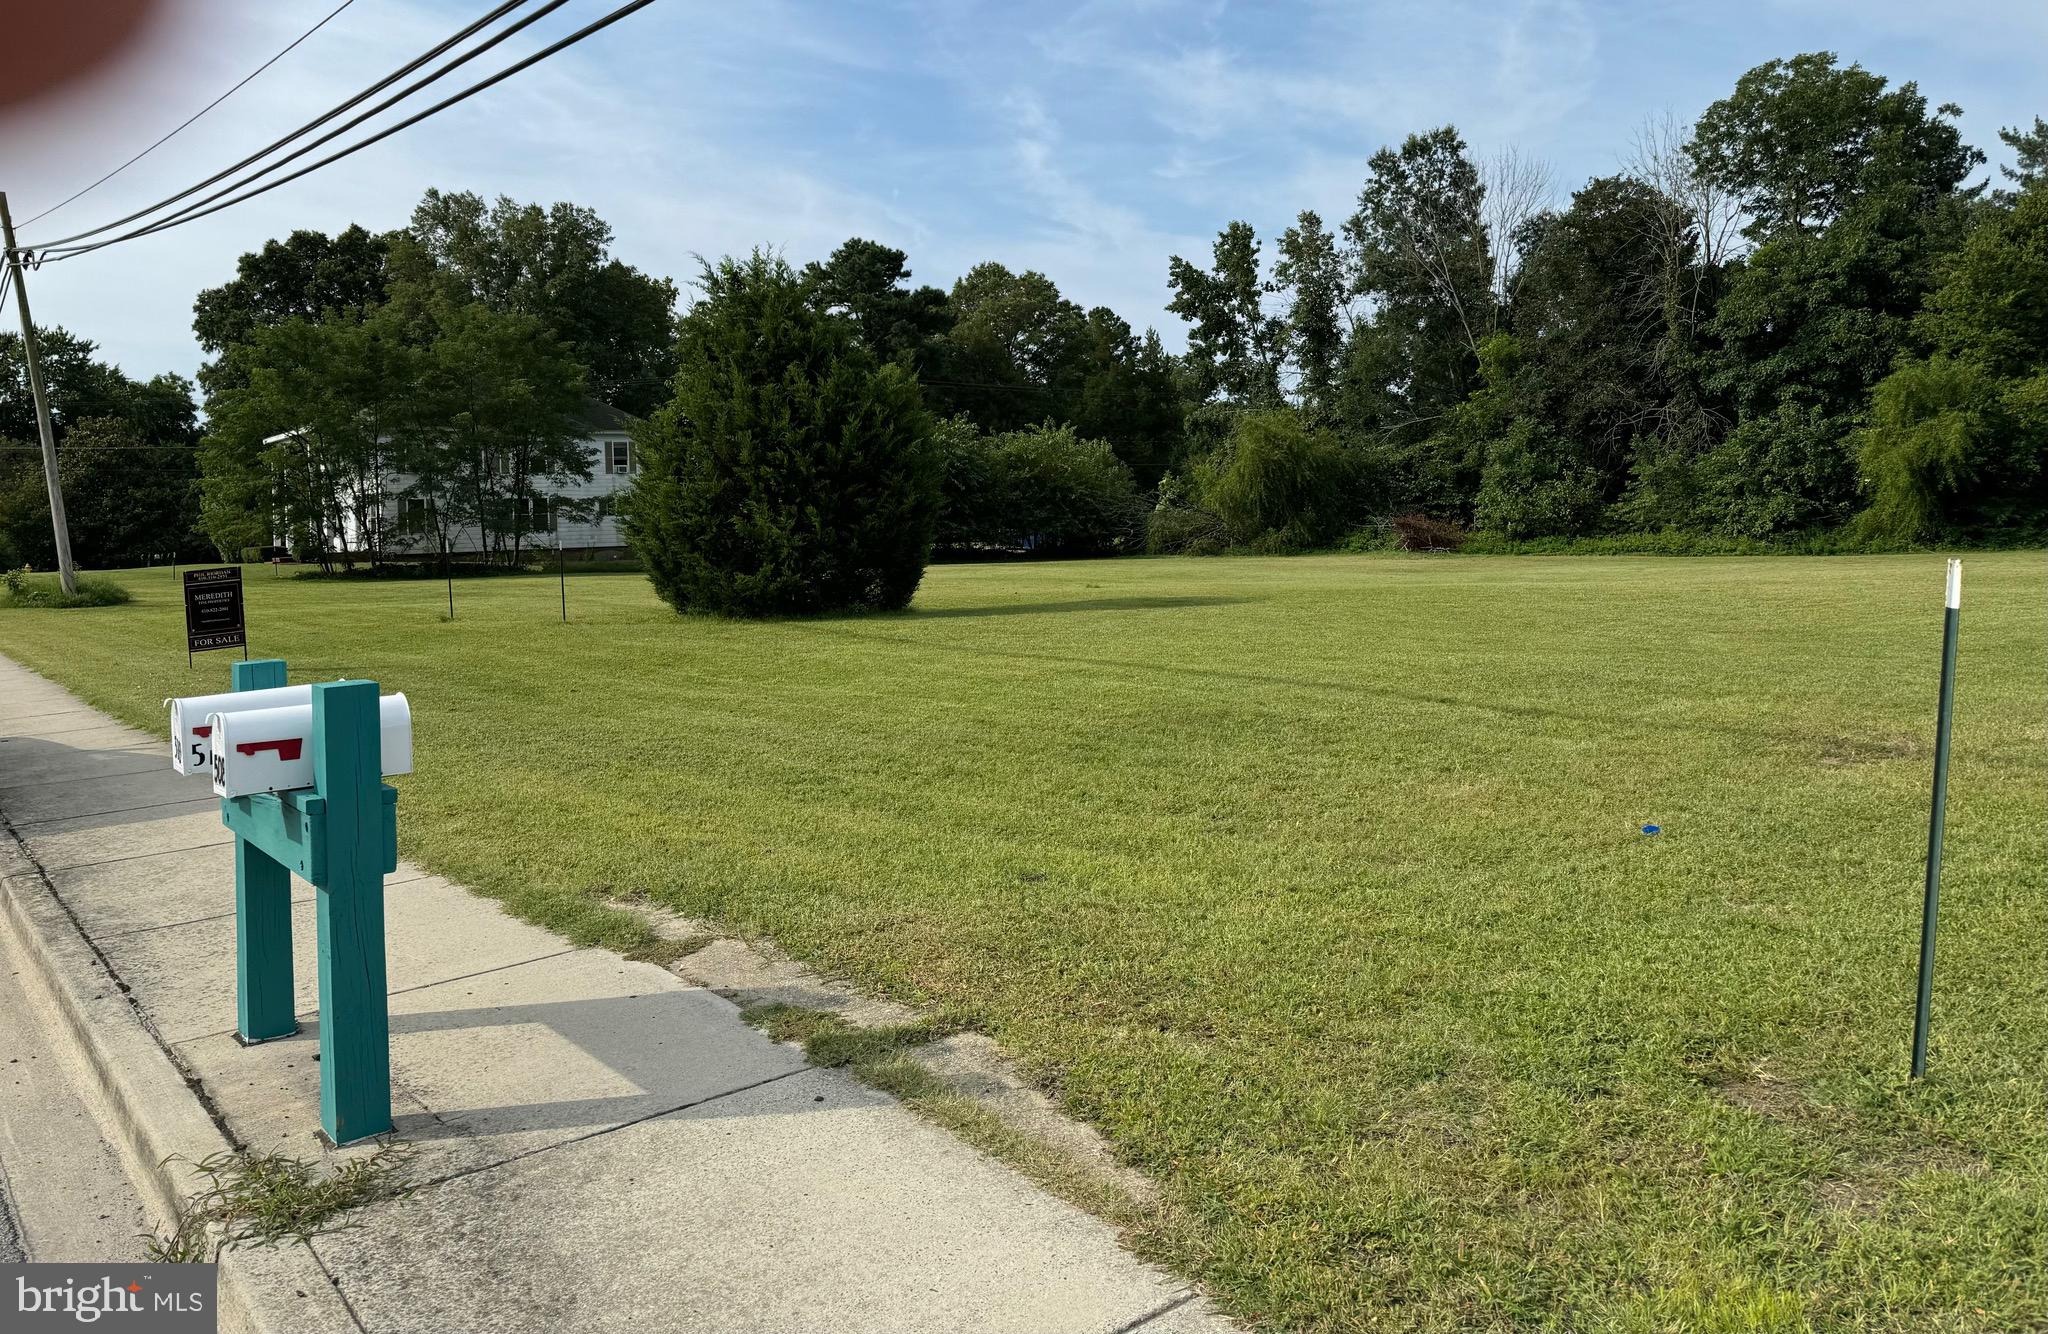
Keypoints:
pixel 341 836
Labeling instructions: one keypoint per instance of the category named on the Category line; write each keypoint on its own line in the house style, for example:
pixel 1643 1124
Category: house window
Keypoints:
pixel 535 514
pixel 618 455
pixel 417 516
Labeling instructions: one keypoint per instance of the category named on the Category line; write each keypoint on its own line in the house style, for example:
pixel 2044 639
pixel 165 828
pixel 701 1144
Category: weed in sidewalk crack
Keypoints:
pixel 264 1198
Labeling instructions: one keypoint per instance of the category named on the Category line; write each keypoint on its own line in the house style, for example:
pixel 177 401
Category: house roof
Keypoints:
pixel 597 416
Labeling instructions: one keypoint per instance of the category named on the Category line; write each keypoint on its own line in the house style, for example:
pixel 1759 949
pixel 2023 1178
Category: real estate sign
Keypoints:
pixel 213 610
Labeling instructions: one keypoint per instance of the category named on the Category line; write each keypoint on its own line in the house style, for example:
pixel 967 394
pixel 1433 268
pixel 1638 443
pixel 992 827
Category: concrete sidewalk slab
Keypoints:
pixel 38 761
pixel 180 974
pixel 68 845
pixel 596 1144
pixel 512 1061
pixel 34 703
pixel 808 1203
pixel 88 729
pixel 137 893
pixel 144 1103
pixel 34 773
pixel 116 818
pixel 536 1055
pixel 144 786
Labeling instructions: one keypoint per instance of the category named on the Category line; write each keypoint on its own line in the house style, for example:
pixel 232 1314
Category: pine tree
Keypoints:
pixel 790 473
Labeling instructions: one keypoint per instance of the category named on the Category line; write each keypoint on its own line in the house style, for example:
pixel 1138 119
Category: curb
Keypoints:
pixel 149 1110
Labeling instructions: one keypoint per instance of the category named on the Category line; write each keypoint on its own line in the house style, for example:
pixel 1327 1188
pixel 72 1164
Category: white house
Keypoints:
pixel 588 526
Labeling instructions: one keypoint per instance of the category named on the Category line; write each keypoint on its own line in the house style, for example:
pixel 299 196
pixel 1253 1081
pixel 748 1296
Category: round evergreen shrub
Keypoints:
pixel 791 473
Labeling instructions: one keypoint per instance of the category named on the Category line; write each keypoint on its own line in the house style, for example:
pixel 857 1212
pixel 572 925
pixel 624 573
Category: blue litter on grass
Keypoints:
pixel 1653 829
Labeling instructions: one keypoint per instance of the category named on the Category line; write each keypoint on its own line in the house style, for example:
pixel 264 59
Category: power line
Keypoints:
pixel 30 222
pixel 989 384
pixel 195 210
pixel 190 449
pixel 393 77
pixel 188 215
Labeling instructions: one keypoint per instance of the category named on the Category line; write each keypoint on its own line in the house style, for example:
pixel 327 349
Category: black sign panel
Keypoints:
pixel 213 609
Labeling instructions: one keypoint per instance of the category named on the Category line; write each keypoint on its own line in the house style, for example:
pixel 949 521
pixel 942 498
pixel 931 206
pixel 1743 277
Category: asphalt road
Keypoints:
pixel 63 1193
pixel 10 1231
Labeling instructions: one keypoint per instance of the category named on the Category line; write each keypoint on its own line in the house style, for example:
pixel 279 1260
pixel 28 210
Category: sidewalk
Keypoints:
pixel 597 1145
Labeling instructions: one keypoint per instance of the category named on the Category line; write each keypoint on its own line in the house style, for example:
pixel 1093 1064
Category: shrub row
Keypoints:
pixel 25 589
pixel 1043 489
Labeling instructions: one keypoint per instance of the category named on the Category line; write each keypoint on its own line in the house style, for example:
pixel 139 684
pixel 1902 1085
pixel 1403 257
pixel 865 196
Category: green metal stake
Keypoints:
pixel 265 1006
pixel 355 1025
pixel 1930 905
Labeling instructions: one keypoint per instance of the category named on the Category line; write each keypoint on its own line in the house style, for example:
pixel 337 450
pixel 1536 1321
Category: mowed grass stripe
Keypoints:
pixel 1317 884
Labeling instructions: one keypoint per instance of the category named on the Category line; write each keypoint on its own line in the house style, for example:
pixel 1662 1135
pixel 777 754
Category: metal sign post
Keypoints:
pixel 1931 903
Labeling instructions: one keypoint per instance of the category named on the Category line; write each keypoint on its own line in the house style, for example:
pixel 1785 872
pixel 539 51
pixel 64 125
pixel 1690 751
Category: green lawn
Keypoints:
pixel 1317 884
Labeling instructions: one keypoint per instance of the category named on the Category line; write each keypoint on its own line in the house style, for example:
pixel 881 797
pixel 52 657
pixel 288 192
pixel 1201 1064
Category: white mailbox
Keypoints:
pixel 190 727
pixel 271 750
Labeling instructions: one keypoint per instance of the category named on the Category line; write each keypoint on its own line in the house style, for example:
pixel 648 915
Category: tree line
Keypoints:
pixel 371 396
pixel 1793 318
pixel 1795 321
pixel 363 394
pixel 127 460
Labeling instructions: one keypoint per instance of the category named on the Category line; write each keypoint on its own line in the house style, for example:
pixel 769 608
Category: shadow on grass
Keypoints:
pixel 1535 713
pixel 1080 604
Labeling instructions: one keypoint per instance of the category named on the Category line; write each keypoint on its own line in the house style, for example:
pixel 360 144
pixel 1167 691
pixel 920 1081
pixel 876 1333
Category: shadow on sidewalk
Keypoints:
pixel 527 1066
pixel 43 786
pixel 612 1060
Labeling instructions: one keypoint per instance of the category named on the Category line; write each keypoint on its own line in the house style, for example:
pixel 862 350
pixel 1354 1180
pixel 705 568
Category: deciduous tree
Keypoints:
pixel 1854 191
pixel 309 275
pixel 493 431
pixel 555 265
pixel 1426 272
pixel 1803 141
pixel 1313 273
pixel 1234 345
pixel 869 284
pixel 301 436
pixel 128 499
pixel 1958 442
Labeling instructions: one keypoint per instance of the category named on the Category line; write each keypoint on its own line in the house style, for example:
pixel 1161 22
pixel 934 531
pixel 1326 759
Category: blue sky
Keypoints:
pixel 1087 140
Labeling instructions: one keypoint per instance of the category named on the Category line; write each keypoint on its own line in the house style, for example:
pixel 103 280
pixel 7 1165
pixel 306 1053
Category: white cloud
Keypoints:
pixel 1089 140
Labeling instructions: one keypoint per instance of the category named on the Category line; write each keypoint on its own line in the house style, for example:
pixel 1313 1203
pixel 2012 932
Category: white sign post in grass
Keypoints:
pixel 1930 905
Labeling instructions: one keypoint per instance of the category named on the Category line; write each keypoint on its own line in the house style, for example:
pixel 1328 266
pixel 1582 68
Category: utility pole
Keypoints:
pixel 65 574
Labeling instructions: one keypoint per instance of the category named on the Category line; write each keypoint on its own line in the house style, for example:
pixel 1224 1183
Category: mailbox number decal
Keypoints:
pixel 199 735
